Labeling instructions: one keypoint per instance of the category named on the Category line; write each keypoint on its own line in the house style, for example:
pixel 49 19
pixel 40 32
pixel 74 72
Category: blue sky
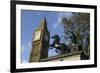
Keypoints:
pixel 30 20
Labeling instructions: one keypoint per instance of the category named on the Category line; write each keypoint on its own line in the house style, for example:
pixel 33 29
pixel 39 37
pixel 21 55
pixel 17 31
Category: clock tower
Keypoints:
pixel 40 43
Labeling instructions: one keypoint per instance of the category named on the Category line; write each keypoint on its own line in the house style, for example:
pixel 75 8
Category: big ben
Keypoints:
pixel 40 42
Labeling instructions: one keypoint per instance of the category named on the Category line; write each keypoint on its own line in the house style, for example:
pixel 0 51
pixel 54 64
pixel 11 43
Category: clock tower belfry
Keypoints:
pixel 40 42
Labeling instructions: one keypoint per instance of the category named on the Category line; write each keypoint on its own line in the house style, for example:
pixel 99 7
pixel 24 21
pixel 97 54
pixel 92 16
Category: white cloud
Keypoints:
pixel 29 45
pixel 24 61
pixel 22 49
pixel 26 47
pixel 25 51
pixel 60 17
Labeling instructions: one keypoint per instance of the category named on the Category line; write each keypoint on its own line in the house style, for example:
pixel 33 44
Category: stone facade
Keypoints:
pixel 64 57
pixel 40 45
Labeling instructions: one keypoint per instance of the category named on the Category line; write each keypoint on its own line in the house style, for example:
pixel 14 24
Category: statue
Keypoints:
pixel 61 48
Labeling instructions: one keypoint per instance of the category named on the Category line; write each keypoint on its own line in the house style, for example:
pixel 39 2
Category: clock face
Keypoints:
pixel 37 35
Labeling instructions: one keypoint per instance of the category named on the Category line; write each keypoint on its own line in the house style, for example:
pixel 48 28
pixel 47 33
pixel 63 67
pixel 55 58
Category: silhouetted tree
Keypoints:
pixel 77 30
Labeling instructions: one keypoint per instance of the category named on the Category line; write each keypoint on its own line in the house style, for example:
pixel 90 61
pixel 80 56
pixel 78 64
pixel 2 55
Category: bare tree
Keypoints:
pixel 77 30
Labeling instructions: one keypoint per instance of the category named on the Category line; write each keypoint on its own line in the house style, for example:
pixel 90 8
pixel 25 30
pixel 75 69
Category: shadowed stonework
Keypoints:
pixel 40 42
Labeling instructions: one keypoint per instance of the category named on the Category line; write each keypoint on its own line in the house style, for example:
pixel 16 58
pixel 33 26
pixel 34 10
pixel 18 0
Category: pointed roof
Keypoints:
pixel 43 24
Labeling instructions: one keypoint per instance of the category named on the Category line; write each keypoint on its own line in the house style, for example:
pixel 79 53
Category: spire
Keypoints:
pixel 43 23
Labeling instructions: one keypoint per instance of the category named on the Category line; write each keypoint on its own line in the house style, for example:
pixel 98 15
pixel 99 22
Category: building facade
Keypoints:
pixel 40 42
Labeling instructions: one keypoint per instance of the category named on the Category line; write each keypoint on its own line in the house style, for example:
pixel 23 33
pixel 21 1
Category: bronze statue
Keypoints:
pixel 61 48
